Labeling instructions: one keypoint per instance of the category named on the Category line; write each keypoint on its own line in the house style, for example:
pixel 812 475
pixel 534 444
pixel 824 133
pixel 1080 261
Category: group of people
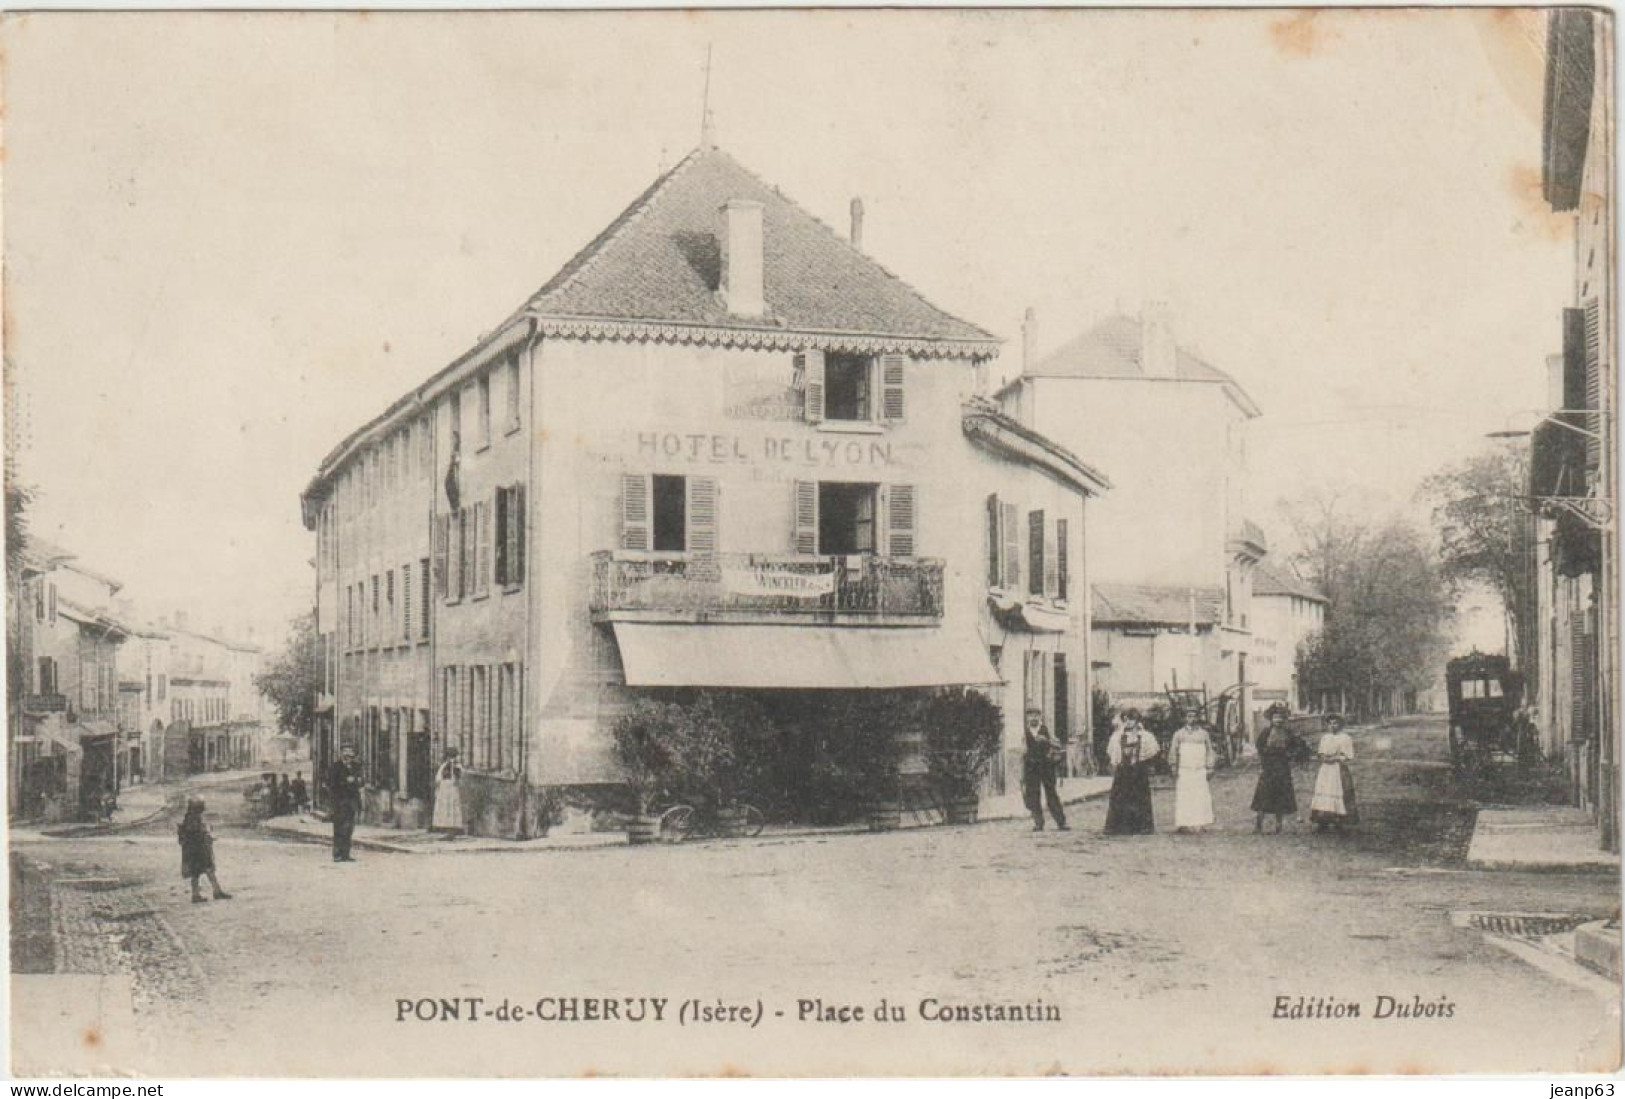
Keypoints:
pixel 282 795
pixel 345 783
pixel 1133 748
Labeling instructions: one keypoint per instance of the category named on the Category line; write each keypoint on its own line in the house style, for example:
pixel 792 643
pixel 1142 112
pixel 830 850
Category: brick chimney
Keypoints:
pixel 1157 349
pixel 1029 339
pixel 740 239
pixel 857 224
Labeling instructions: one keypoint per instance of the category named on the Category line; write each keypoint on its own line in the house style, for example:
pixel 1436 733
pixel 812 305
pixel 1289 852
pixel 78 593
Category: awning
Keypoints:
pixel 800 657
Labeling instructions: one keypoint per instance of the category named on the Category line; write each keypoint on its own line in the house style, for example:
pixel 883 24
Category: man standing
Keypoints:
pixel 344 789
pixel 1038 773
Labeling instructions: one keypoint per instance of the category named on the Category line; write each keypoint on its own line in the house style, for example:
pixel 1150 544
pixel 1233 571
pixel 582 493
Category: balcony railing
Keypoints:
pixel 45 704
pixel 628 583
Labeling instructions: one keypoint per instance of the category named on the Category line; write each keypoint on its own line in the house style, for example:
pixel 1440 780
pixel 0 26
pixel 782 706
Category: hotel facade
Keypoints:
pixel 722 448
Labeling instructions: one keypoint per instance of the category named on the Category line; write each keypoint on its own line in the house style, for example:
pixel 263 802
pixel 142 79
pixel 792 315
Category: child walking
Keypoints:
pixel 197 852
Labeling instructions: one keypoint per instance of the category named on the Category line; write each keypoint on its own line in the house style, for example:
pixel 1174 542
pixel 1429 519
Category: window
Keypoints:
pixel 665 513
pixel 47 675
pixel 511 371
pixel 372 623
pixel 482 718
pixel 510 536
pixel 50 609
pixel 482 548
pixel 485 410
pixel 163 686
pixel 670 515
pixel 1035 552
pixel 458 581
pixel 846 387
pixel 1063 704
pixel 442 555
pixel 389 631
pixel 405 633
pixel 1062 569
pixel 1003 544
pixel 846 518
pixel 39 600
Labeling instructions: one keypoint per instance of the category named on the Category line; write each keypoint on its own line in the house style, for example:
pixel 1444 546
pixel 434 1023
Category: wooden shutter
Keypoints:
pixel 406 603
pixel 482 560
pixel 812 365
pixel 1062 569
pixel 51 614
pixel 1593 383
pixel 994 543
pixel 1062 727
pixel 1052 572
pixel 892 370
pixel 804 532
pixel 501 563
pixel 901 520
pixel 424 599
pixel 634 511
pixel 702 514
pixel 1012 544
pixel 516 534
pixel 1035 552
pixel 441 530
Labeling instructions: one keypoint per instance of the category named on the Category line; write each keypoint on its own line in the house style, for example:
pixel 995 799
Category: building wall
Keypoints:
pixel 1281 623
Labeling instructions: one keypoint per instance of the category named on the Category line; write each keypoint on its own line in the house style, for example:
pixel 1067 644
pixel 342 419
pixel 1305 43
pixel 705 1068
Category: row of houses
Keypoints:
pixel 1569 648
pixel 725 448
pixel 97 701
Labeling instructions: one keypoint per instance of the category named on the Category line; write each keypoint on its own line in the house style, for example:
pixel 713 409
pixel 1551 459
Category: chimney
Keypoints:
pixel 857 224
pixel 1554 382
pixel 1157 349
pixel 741 244
pixel 1029 339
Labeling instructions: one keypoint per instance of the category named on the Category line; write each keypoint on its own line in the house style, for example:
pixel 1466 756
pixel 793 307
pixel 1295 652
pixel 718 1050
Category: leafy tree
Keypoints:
pixel 1484 536
pixel 293 678
pixel 1390 603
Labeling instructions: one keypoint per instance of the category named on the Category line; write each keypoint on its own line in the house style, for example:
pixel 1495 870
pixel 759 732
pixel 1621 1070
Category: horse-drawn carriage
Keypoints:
pixel 1487 722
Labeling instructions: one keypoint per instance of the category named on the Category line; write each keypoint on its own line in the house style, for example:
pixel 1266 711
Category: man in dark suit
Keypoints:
pixel 344 790
pixel 1038 773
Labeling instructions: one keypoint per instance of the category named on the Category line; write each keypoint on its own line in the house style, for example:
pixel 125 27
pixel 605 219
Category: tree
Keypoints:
pixel 1484 535
pixel 1389 604
pixel 293 678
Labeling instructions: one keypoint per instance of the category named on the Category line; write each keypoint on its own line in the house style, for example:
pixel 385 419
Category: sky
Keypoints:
pixel 231 239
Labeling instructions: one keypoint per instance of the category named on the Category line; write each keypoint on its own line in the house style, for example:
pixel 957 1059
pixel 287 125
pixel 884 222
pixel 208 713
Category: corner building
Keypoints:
pixel 722 448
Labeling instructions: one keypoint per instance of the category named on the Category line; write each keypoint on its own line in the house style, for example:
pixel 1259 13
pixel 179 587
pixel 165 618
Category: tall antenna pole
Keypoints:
pixel 707 136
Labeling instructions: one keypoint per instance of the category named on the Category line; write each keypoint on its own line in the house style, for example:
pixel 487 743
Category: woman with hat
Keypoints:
pixel 1191 757
pixel 448 798
pixel 1274 795
pixel 1131 749
pixel 1333 803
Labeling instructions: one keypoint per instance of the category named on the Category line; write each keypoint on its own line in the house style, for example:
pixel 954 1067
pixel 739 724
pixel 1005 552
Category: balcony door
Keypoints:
pixel 846 517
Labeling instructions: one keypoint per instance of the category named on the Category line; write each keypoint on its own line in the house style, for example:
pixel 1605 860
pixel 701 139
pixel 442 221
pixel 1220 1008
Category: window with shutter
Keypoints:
pixel 702 515
pixel 500 565
pixel 391 608
pixel 901 520
pixel 1062 568
pixel 1035 552
pixel 1010 516
pixel 892 370
pixel 442 538
pixel 811 365
pixel 634 511
pixel 1062 727
pixel 994 543
pixel 804 530
pixel 1051 567
pixel 424 601
pixel 406 603
pixel 516 535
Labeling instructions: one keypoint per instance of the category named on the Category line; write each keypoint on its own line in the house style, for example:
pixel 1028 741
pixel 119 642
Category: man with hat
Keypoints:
pixel 344 792
pixel 1038 773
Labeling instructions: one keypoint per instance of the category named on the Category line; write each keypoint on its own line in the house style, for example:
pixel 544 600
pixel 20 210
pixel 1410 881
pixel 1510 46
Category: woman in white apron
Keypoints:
pixel 1191 757
pixel 1333 805
pixel 448 798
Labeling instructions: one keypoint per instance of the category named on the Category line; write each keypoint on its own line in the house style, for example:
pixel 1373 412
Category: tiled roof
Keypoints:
pixel 1272 580
pixel 1114 348
pixel 1155 604
pixel 659 262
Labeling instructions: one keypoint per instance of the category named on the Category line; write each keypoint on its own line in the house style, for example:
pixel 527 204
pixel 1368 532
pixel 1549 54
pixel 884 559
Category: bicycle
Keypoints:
pixel 682 822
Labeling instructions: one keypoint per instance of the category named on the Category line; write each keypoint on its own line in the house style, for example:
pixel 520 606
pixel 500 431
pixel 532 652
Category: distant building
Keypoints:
pixel 1287 611
pixel 1174 529
pixel 1571 662
pixel 63 692
pixel 721 448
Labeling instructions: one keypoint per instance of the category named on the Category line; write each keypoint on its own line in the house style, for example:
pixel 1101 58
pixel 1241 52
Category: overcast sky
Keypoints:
pixel 231 239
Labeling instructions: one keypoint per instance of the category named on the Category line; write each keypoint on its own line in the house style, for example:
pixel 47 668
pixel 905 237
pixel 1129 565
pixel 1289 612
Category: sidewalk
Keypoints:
pixel 1544 838
pixel 369 837
pixel 141 803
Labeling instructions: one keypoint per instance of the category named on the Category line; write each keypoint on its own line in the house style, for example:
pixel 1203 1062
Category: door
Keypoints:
pixel 419 765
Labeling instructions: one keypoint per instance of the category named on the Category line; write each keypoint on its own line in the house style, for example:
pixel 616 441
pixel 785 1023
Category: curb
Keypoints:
pixel 370 843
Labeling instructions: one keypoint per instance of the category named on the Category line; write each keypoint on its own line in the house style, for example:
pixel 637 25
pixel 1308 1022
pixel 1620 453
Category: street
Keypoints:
pixel 315 965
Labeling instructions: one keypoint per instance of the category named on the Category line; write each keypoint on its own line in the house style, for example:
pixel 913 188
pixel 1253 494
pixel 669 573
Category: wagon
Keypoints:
pixel 1487 727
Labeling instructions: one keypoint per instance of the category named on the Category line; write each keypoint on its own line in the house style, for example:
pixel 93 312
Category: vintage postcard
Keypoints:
pixel 811 542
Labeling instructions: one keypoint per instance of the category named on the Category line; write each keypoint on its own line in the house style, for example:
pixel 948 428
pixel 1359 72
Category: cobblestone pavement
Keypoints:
pixel 1159 953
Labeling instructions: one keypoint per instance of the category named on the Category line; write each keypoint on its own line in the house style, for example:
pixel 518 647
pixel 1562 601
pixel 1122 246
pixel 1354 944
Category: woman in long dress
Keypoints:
pixel 1274 794
pixel 197 851
pixel 1131 749
pixel 448 798
pixel 1191 756
pixel 1333 803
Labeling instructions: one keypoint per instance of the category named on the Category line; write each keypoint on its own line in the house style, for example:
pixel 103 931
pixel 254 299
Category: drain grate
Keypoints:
pixel 1523 925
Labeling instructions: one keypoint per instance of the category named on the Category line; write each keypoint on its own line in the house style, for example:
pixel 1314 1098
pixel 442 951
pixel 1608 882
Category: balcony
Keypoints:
pixel 45 704
pixel 861 589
